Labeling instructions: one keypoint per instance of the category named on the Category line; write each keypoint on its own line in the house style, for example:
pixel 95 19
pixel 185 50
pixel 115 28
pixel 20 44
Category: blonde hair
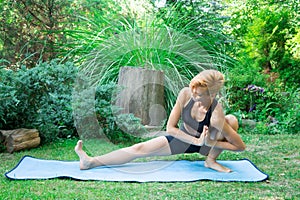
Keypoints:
pixel 212 79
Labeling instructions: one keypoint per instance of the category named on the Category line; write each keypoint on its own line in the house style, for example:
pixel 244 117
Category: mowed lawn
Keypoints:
pixel 276 155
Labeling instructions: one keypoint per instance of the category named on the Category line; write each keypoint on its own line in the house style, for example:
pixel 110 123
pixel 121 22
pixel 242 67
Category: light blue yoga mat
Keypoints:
pixel 153 171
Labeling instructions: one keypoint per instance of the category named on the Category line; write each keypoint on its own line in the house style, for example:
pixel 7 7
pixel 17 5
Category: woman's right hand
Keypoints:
pixel 201 140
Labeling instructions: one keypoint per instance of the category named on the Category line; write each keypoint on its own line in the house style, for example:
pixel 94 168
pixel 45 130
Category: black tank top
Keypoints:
pixel 190 121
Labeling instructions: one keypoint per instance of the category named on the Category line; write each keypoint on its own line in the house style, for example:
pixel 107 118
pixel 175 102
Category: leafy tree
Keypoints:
pixel 31 28
pixel 266 46
pixel 263 32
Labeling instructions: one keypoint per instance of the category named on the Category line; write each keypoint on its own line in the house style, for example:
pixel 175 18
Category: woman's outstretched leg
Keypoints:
pixel 210 161
pixel 155 147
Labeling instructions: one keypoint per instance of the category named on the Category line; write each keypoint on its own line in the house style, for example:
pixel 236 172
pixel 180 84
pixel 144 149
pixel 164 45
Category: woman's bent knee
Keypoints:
pixel 232 121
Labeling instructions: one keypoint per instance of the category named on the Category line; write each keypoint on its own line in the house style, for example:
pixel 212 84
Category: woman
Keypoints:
pixel 204 129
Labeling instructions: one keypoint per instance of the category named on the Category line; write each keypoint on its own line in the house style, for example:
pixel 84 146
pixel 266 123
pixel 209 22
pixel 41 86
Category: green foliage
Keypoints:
pixel 272 105
pixel 294 45
pixel 266 35
pixel 117 127
pixel 202 20
pixel 283 109
pixel 38 98
pixel 30 30
pixel 181 39
pixel 164 39
pixel 41 98
pixel 265 40
pixel 238 79
pixel 266 49
pixel 98 21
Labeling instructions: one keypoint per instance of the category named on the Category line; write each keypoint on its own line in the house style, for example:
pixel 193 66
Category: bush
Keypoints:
pixel 252 96
pixel 39 98
pixel 116 126
pixel 266 48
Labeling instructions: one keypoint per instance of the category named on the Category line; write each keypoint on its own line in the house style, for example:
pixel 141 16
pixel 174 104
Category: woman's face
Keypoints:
pixel 200 94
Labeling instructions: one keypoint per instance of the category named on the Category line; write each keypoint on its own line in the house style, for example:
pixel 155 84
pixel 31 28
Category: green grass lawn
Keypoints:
pixel 276 155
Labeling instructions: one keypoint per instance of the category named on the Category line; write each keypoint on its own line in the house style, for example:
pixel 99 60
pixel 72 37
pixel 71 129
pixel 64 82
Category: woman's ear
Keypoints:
pixel 193 89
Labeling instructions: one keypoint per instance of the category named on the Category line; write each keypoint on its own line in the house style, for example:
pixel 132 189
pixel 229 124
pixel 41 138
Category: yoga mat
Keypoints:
pixel 152 171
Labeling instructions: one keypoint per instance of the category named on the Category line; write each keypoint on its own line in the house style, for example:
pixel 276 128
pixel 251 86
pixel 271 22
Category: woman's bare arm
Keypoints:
pixel 172 124
pixel 232 141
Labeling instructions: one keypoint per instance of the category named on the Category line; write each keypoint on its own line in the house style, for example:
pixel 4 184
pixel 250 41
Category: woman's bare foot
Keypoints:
pixel 85 161
pixel 211 163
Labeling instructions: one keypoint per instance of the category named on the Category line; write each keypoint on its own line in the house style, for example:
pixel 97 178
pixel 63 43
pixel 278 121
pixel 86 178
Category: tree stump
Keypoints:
pixel 143 94
pixel 20 139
